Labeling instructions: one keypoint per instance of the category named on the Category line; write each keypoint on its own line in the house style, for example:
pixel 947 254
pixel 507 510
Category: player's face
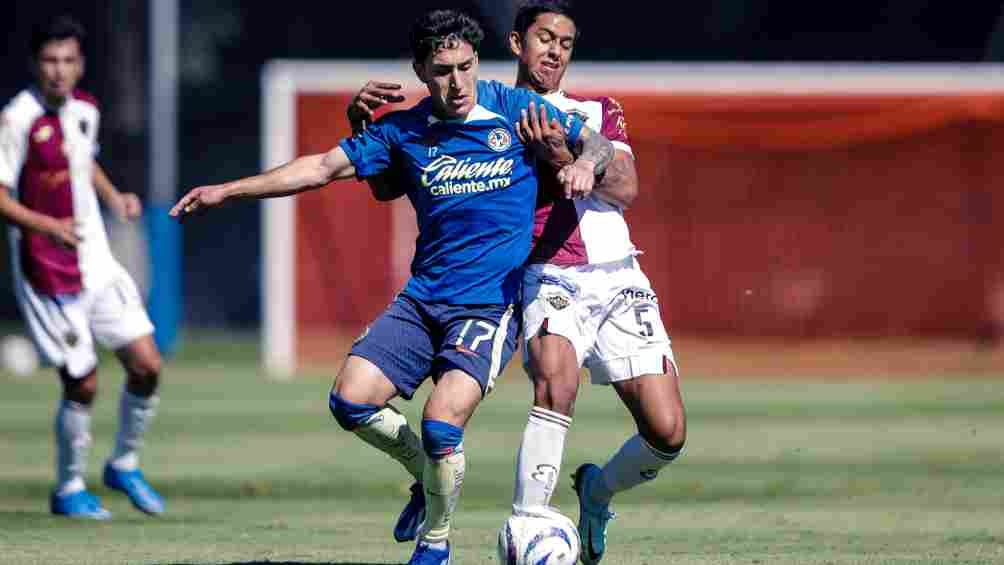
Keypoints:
pixel 451 74
pixel 59 67
pixel 545 50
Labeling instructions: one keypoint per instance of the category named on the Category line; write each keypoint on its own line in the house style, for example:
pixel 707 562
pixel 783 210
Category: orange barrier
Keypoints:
pixel 821 215
pixel 342 235
pixel 768 215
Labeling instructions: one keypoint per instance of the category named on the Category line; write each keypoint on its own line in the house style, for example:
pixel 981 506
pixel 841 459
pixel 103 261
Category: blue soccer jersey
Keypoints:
pixel 473 184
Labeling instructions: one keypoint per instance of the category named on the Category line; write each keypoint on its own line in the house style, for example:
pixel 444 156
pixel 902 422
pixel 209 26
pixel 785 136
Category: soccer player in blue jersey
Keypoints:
pixel 586 301
pixel 473 184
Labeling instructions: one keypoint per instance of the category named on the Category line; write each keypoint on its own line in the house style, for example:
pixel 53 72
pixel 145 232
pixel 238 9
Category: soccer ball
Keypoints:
pixel 17 356
pixel 539 537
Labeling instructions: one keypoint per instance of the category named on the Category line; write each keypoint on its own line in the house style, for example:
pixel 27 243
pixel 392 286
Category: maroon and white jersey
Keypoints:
pixel 47 160
pixel 590 230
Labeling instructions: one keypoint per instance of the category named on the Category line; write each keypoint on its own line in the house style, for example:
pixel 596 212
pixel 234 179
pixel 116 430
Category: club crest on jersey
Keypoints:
pixel 499 139
pixel 43 134
pixel 558 301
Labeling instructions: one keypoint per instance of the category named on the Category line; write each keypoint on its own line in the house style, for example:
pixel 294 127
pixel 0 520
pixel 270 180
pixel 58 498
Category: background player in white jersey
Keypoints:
pixel 586 300
pixel 70 288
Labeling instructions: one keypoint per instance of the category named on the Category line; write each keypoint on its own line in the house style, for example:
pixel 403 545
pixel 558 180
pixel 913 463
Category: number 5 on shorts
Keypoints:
pixel 645 325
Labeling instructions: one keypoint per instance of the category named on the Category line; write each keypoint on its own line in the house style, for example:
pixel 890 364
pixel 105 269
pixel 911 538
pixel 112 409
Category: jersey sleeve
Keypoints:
pixel 13 146
pixel 370 150
pixel 514 100
pixel 573 124
pixel 614 126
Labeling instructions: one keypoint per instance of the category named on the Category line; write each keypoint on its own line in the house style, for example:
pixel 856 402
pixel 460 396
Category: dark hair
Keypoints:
pixel 529 10
pixel 437 28
pixel 63 27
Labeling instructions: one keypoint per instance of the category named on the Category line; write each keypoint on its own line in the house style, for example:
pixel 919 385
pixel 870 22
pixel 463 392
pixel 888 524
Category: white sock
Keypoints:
pixel 135 414
pixel 388 431
pixel 73 438
pixel 443 480
pixel 636 462
pixel 538 462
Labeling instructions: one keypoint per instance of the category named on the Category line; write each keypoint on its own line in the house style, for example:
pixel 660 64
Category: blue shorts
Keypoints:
pixel 413 340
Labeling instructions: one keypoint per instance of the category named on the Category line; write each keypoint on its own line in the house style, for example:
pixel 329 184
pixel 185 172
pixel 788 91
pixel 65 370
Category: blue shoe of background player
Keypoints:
pixel 425 554
pixel 593 518
pixel 412 516
pixel 140 493
pixel 80 504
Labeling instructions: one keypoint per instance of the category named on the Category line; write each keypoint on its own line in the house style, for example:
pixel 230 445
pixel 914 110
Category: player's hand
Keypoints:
pixel 126 206
pixel 198 200
pixel 578 178
pixel 372 96
pixel 64 232
pixel 133 206
pixel 544 136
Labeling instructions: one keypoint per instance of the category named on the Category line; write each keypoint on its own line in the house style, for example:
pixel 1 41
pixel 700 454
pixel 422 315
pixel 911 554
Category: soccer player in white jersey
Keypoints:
pixel 70 289
pixel 586 301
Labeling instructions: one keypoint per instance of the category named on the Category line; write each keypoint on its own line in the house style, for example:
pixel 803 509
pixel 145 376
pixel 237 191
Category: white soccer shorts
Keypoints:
pixel 65 327
pixel 608 311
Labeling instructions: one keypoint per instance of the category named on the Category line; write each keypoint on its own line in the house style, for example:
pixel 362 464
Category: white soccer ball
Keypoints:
pixel 538 537
pixel 18 356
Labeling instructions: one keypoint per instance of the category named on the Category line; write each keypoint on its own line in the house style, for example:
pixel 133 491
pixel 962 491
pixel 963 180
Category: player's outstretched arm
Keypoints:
pixel 301 174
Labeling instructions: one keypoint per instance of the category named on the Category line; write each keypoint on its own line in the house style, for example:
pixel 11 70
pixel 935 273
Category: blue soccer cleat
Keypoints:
pixel 412 516
pixel 81 504
pixel 425 554
pixel 140 493
pixel 593 518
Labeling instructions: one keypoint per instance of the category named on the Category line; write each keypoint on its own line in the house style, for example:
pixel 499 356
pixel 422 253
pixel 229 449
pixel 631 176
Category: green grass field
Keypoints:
pixel 254 471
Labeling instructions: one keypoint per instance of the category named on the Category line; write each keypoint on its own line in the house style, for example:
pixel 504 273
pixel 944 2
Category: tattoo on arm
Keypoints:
pixel 596 148
pixel 616 173
pixel 619 184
